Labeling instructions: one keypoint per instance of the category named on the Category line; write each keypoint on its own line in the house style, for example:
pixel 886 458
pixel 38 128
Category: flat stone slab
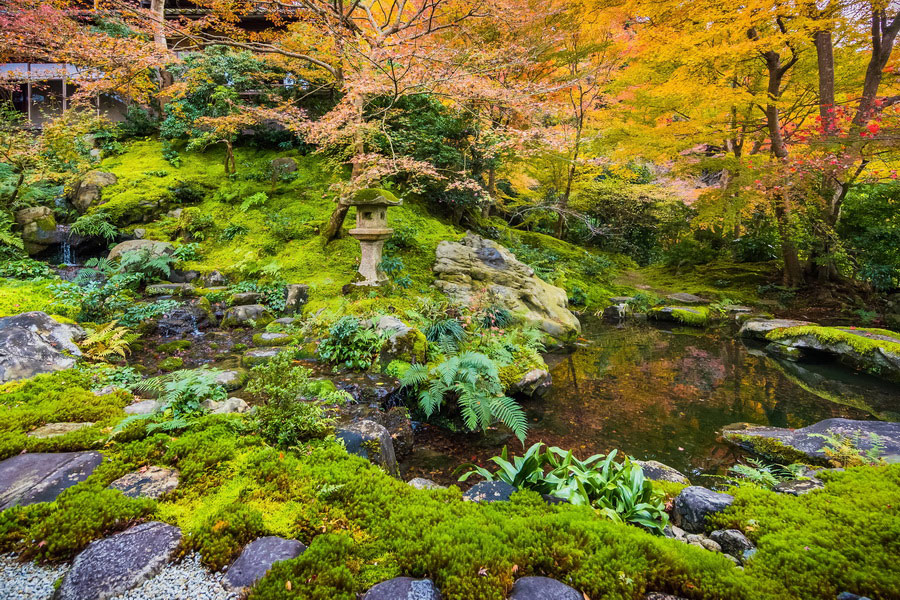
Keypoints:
pixel 489 491
pixel 57 429
pixel 257 558
pixel 758 329
pixel 686 298
pixel 148 482
pixel 258 356
pixel 111 566
pixel 798 487
pixel 404 588
pixel 543 588
pixel 42 476
pixel 805 440
pixel 144 407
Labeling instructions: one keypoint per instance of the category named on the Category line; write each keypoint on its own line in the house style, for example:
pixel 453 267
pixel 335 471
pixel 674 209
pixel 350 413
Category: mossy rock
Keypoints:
pixel 696 316
pixel 174 346
pixel 255 315
pixel 259 356
pixel 307 349
pixel 268 338
pixel 172 363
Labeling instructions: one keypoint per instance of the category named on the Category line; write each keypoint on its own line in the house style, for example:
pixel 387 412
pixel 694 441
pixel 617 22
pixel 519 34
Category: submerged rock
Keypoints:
pixel 32 343
pixel 42 476
pixel 781 444
pixel 187 319
pixel 476 265
pixel 111 566
pixel 257 558
pixel 533 384
pixel 694 504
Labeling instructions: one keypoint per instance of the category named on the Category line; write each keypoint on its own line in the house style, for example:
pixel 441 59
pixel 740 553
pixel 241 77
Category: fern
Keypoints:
pixel 95 225
pixel 257 199
pixel 7 236
pixel 473 380
pixel 447 332
pixel 108 341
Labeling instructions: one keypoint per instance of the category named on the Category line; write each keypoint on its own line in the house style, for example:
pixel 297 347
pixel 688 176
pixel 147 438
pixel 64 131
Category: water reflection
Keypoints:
pixel 663 395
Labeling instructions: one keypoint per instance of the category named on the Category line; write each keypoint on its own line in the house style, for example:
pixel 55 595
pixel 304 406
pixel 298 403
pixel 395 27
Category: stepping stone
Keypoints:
pixel 148 482
pixel 543 588
pixel 286 320
pixel 244 298
pixel 758 329
pixel 42 476
pixel 111 566
pixel 257 558
pixel 269 338
pixel 489 491
pixel 56 429
pixel 695 503
pixel 685 298
pixel 420 483
pixel 144 407
pixel 404 588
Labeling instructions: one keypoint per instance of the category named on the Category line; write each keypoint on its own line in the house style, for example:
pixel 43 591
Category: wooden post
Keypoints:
pixel 65 75
pixel 28 94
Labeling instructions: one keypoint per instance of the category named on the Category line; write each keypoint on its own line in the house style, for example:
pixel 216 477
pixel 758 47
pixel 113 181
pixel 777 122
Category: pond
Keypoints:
pixel 664 394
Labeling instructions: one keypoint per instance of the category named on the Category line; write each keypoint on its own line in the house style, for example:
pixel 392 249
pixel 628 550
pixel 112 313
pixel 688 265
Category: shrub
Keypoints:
pixel 350 345
pixel 25 268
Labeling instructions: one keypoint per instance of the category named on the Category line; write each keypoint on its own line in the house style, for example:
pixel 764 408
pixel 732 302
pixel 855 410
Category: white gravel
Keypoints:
pixel 27 581
pixel 185 580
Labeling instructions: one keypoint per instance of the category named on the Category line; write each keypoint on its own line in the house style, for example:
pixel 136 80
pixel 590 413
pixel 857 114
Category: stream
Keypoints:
pixel 663 393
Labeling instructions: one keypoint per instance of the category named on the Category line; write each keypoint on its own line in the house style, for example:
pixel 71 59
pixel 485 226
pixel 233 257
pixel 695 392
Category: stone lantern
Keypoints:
pixel 372 230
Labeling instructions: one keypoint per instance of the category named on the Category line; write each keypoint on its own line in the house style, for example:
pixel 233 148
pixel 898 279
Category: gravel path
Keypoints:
pixel 185 580
pixel 27 581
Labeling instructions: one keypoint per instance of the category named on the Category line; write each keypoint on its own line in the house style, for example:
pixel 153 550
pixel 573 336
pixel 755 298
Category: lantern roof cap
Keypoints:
pixel 374 197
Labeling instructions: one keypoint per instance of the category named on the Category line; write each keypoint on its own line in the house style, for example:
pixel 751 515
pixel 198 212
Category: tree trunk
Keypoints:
pixel 825 60
pixel 793 270
pixel 336 221
pixel 570 175
pixel 158 9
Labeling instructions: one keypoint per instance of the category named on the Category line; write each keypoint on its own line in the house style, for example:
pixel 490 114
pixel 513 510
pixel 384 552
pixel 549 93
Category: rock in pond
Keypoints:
pixel 781 444
pixel 533 384
pixel 404 588
pixel 57 429
pixel 257 558
pixel 474 265
pixel 111 566
pixel 187 319
pixel 371 441
pixel 258 356
pixel 876 351
pixel 543 588
pixel 657 471
pixel 695 503
pixel 759 328
pixel 147 482
pixel 41 476
pixel 32 343
pixel 489 491
pixel 244 316
pixel 369 388
pixel 697 316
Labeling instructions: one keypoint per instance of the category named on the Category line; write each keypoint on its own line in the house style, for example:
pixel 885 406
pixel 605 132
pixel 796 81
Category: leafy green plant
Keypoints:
pixel 189 251
pixel 350 345
pixel 641 302
pixel 138 313
pixel 183 393
pixel 95 224
pixel 147 265
pixel 108 341
pixel 8 237
pixel 496 316
pixel 765 475
pixel 256 200
pixel 447 332
pixel 25 268
pixel 845 451
pixel 233 230
pixel 473 381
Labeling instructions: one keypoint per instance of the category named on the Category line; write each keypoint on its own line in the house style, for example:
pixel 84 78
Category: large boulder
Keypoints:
pixel 404 588
pixel 42 476
pixel 402 342
pixel 758 329
pixel 111 566
pixel 295 296
pixel 89 191
pixel 694 504
pixel 38 228
pixel 473 266
pixel 257 558
pixel 33 343
pixel 371 441
pixel 153 247
pixel 807 443
pixel 543 588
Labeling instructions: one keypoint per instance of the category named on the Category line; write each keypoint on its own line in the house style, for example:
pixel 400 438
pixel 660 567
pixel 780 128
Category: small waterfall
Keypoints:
pixel 66 254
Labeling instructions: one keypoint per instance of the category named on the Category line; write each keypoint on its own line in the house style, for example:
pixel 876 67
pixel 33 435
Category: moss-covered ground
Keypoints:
pixel 719 280
pixel 363 526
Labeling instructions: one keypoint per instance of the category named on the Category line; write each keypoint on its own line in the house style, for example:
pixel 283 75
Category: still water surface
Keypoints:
pixel 664 394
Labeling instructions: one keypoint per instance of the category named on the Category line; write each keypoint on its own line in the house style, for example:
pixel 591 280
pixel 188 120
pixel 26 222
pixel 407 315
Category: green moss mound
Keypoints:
pixel 697 316
pixel 864 340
